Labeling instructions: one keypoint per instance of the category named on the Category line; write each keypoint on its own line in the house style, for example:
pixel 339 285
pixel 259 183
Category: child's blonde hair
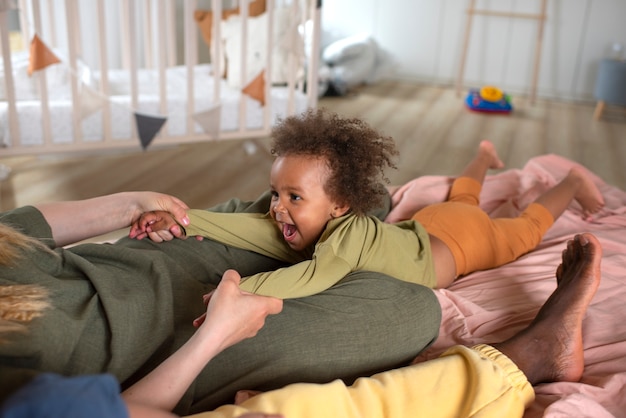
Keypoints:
pixel 21 303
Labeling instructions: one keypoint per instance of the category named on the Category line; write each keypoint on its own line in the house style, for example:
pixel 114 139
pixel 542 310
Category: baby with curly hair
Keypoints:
pixel 328 173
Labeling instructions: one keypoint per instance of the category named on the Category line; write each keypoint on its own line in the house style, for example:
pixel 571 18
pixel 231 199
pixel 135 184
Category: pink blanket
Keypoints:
pixel 492 305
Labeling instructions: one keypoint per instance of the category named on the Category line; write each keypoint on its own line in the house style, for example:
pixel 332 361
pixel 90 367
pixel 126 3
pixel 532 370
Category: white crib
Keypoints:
pixel 127 61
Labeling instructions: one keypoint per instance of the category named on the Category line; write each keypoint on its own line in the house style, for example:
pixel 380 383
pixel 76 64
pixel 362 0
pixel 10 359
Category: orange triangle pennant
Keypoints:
pixel 256 88
pixel 40 56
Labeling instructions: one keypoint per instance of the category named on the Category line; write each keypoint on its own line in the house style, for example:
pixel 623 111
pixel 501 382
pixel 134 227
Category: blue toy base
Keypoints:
pixel 477 103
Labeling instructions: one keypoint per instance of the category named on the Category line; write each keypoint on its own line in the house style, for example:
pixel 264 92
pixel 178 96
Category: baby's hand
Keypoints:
pixel 158 225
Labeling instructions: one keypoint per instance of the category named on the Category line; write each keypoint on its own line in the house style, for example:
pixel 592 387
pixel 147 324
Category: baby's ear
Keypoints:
pixel 339 211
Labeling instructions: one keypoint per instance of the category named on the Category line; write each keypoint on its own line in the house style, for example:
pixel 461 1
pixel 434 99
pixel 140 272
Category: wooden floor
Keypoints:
pixel 434 131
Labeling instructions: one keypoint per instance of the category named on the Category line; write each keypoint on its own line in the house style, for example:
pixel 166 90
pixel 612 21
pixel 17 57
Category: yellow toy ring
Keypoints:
pixel 491 94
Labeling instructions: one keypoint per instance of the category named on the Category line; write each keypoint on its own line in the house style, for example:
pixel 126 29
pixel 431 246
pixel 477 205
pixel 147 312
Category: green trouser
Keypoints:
pixel 365 324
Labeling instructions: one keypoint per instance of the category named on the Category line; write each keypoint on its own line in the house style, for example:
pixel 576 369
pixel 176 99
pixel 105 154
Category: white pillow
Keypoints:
pixel 286 40
pixel 350 47
pixel 355 70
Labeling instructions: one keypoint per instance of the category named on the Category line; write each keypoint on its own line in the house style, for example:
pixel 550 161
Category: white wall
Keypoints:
pixel 425 37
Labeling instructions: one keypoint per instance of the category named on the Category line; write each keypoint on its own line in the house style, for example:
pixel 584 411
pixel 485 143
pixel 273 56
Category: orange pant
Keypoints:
pixel 477 241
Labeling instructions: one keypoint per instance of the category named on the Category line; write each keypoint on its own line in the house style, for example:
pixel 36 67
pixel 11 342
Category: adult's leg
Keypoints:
pixel 484 381
pixel 367 323
pixel 551 348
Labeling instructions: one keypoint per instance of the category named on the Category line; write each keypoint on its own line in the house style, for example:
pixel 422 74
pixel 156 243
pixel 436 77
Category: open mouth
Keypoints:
pixel 289 231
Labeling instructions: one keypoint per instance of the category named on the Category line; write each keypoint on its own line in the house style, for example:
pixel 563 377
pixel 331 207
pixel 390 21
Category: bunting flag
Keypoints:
pixel 90 101
pixel 210 120
pixel 147 127
pixel 40 56
pixel 256 88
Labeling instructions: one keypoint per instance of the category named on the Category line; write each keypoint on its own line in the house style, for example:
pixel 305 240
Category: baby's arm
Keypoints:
pixel 159 225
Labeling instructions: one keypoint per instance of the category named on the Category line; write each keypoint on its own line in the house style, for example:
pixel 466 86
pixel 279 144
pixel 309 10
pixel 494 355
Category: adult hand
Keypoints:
pixel 152 201
pixel 234 314
pixel 158 225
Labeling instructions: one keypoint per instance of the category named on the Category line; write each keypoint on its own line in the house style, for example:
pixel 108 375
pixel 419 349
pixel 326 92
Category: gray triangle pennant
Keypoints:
pixel 147 127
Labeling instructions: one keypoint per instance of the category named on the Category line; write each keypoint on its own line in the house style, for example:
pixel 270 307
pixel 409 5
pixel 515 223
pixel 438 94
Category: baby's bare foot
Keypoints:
pixel 551 348
pixel 488 149
pixel 588 194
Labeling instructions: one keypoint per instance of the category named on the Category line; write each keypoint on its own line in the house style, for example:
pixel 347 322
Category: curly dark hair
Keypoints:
pixel 357 155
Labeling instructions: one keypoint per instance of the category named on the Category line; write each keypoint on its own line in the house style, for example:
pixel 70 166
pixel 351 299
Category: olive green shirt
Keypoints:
pixel 348 244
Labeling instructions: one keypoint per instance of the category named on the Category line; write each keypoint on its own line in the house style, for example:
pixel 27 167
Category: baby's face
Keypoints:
pixel 300 206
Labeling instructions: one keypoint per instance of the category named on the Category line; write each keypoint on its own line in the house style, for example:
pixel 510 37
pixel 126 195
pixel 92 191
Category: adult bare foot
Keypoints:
pixel 551 348
pixel 588 194
pixel 487 149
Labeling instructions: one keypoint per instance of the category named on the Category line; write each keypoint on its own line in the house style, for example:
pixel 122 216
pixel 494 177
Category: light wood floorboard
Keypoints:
pixel 434 131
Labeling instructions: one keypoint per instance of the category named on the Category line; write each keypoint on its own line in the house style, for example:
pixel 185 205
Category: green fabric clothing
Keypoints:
pixel 123 308
pixel 348 244
pixel 119 308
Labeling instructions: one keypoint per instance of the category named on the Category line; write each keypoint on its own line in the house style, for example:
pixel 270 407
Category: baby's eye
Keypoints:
pixel 274 194
pixel 295 197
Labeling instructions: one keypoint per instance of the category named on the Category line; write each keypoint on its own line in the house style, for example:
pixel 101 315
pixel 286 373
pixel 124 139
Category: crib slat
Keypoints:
pixel 171 32
pixel 52 24
pixel 243 12
pixel 128 14
pixel 73 33
pixel 14 127
pixel 43 84
pixel 218 48
pixel 125 31
pixel 132 49
pixel 291 78
pixel 191 59
pixel 316 16
pixel 104 73
pixel 24 25
pixel 268 63
pixel 148 34
pixel 162 62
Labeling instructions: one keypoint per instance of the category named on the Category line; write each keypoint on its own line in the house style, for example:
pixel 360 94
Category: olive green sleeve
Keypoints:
pixel 306 278
pixel 249 231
